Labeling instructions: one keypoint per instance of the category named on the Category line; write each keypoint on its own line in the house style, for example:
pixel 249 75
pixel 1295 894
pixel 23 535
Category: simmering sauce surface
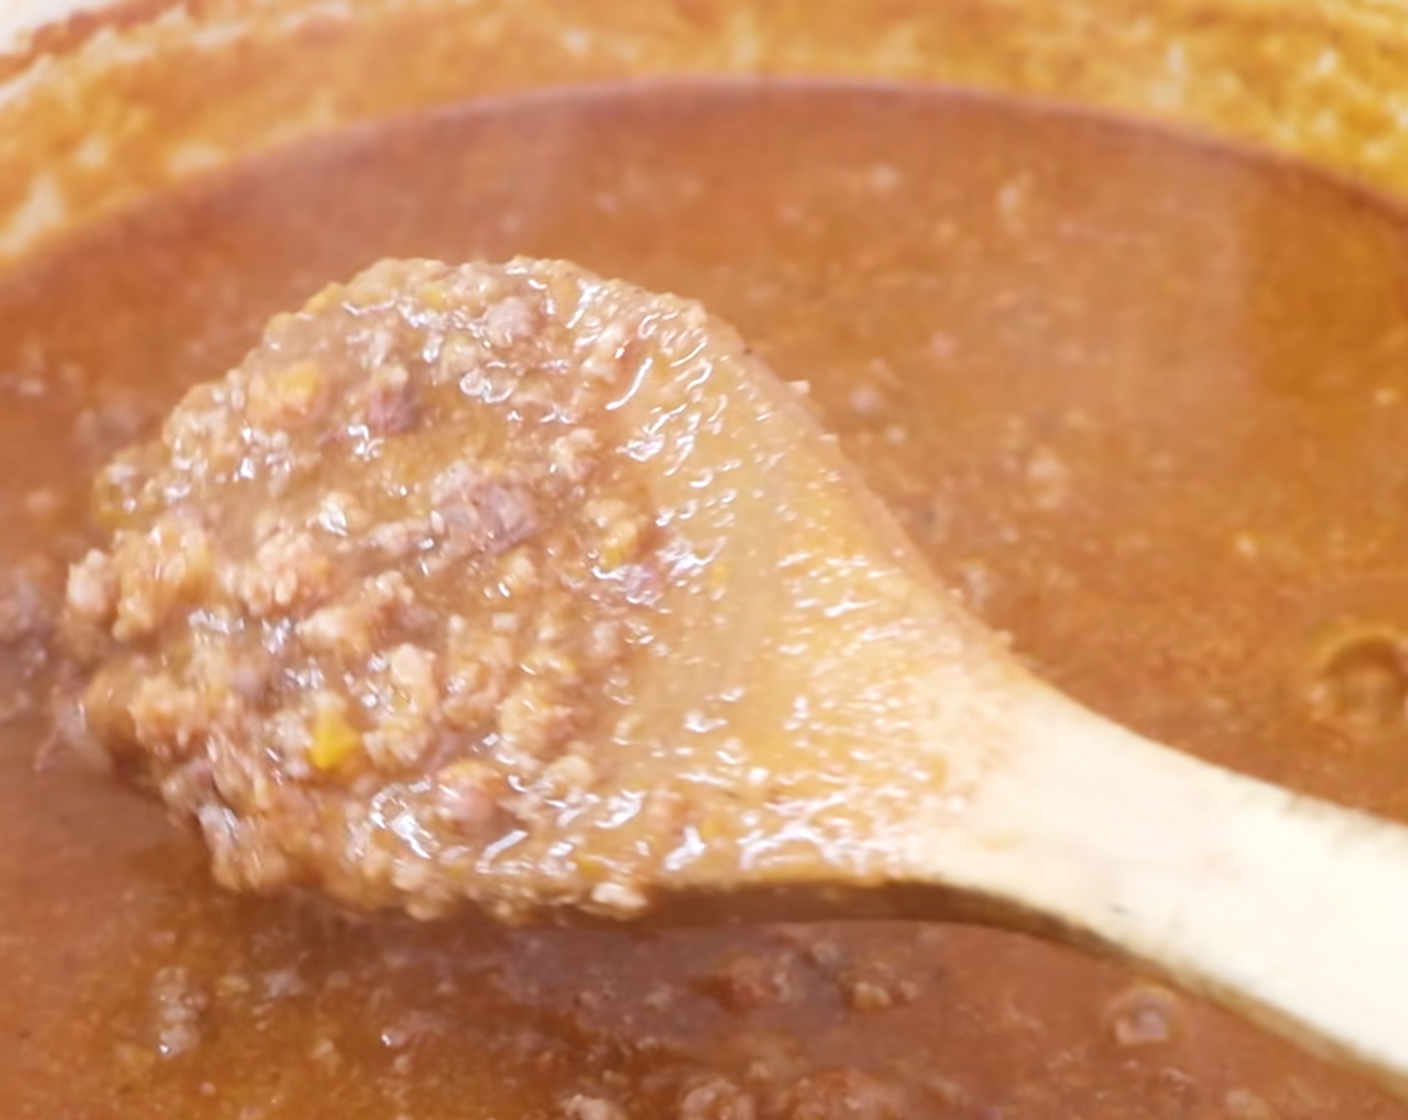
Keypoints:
pixel 1143 403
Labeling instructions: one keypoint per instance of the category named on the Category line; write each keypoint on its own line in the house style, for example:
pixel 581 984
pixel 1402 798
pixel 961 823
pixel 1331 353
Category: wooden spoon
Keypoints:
pixel 924 772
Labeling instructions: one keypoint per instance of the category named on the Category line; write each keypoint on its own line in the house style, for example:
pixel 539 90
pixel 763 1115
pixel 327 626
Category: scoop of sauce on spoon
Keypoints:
pixel 515 588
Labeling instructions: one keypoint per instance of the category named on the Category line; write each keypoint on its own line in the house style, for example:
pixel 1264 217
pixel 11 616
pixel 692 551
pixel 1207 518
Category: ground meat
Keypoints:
pixel 847 1094
pixel 750 982
pixel 716 1098
pixel 177 1008
pixel 876 987
pixel 582 1107
pixel 362 602
pixel 26 620
pixel 25 611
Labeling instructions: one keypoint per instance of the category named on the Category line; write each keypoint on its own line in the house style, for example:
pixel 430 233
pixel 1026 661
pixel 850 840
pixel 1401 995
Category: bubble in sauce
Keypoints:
pixel 1360 685
pixel 1144 1014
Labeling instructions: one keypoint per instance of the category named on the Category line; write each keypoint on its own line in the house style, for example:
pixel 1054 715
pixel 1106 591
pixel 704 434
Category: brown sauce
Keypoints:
pixel 1143 402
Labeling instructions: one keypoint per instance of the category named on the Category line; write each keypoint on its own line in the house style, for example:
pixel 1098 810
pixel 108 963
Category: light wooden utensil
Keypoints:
pixel 906 763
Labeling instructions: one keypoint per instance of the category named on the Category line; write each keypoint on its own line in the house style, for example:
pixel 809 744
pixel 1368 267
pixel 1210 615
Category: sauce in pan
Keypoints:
pixel 1144 402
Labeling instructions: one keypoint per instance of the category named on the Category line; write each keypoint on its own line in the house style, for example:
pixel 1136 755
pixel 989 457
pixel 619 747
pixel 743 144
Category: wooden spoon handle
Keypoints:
pixel 1287 910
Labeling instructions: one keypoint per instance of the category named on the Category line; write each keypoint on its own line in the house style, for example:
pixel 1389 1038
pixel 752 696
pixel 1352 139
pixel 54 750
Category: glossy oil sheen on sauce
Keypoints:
pixel 1144 403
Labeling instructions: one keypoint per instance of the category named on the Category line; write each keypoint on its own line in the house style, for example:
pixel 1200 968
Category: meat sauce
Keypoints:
pixel 1141 401
pixel 368 608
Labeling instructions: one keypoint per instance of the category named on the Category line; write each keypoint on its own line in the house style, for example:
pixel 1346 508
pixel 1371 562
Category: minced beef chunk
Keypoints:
pixel 361 602
pixel 27 607
pixel 24 613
